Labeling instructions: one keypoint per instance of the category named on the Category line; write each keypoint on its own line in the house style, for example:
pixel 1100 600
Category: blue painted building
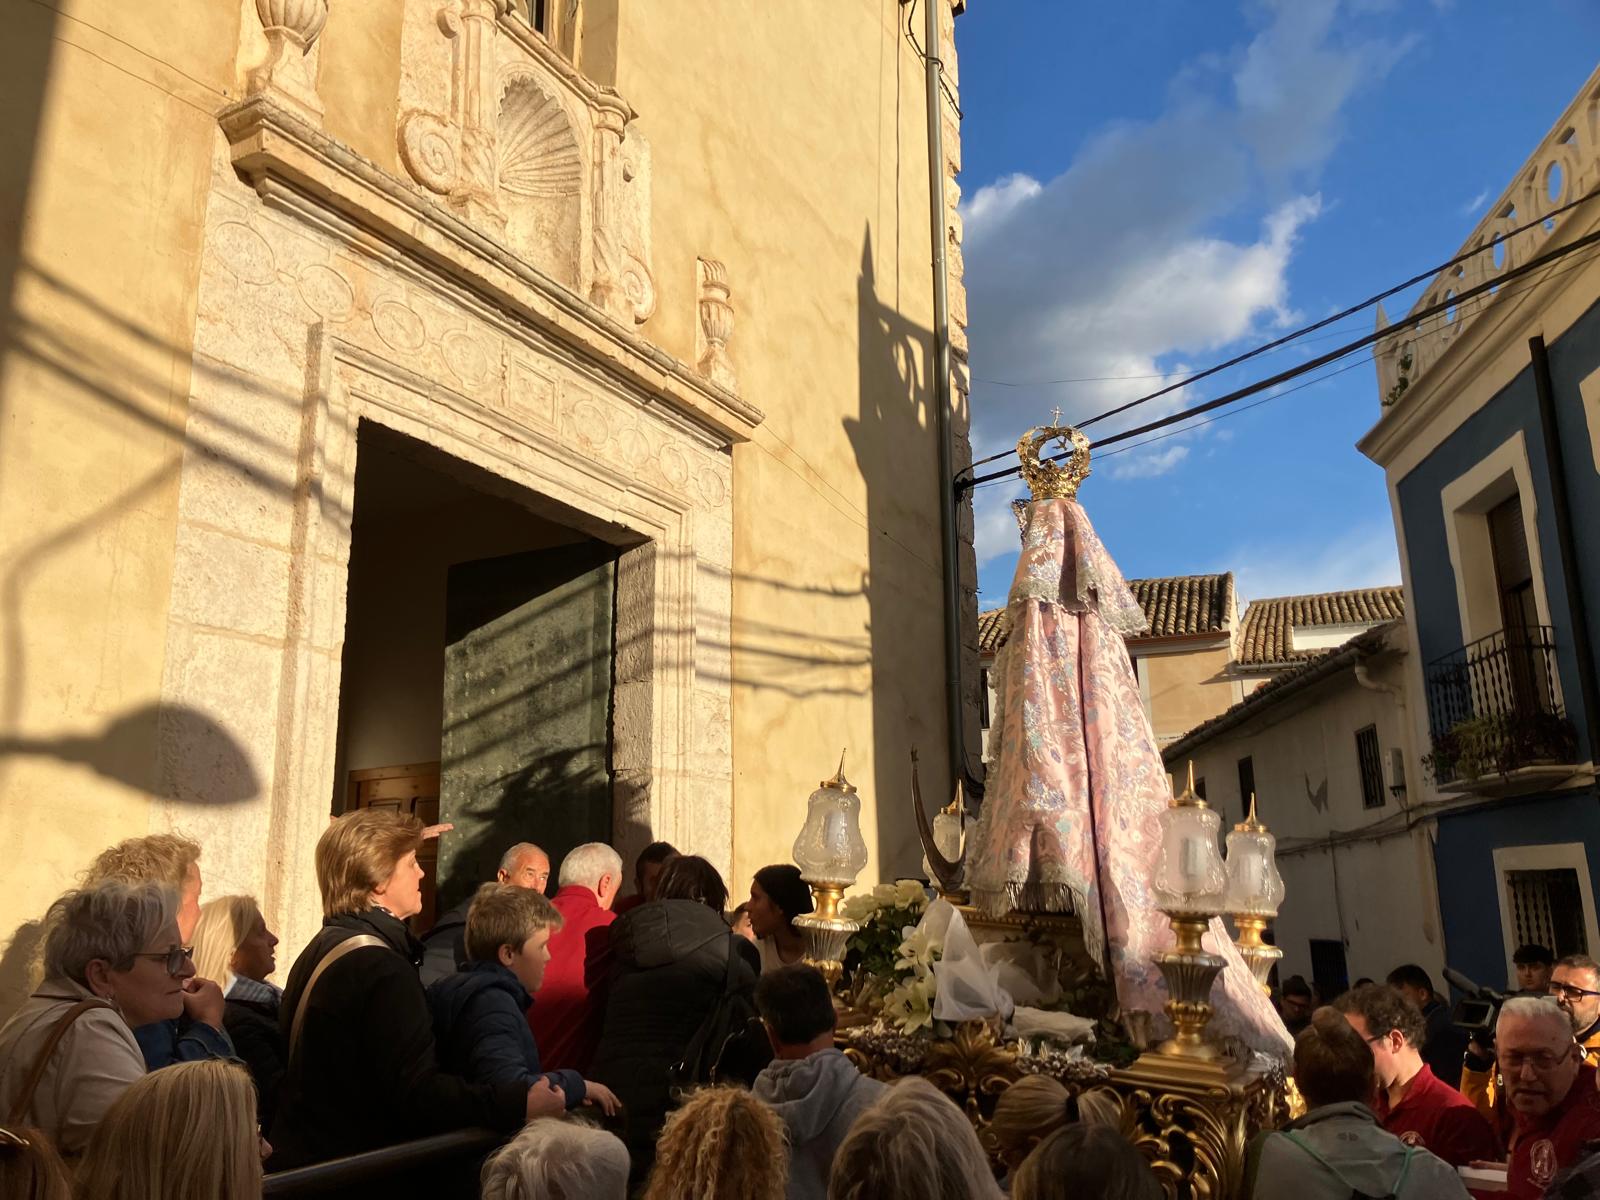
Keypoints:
pixel 1485 441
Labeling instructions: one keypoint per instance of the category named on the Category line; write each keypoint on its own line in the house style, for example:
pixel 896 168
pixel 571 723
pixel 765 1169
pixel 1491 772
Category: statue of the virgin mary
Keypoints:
pixel 1076 786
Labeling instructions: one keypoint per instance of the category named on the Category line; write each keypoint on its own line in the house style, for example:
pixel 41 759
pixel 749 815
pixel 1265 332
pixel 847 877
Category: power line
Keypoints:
pixel 911 16
pixel 1161 437
pixel 1533 264
pixel 1313 327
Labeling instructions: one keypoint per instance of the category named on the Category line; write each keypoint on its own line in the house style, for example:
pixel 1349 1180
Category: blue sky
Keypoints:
pixel 1156 186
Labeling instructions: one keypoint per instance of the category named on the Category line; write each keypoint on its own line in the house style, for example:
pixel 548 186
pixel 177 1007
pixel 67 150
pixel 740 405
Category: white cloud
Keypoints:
pixel 1147 464
pixel 1474 207
pixel 1115 267
pixel 995 529
pixel 1364 557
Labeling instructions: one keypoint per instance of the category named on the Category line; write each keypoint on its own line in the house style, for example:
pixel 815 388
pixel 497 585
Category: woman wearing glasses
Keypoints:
pixel 112 962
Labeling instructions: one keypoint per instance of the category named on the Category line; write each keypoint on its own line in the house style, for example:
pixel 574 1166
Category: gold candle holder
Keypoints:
pixel 1253 948
pixel 1189 970
pixel 826 932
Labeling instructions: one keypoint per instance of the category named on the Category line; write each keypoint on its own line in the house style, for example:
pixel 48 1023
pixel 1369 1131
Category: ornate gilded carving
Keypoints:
pixel 716 324
pixel 288 74
pixel 1192 1120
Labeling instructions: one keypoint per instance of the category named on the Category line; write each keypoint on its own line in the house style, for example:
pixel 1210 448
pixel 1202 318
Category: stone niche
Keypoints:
pixel 486 308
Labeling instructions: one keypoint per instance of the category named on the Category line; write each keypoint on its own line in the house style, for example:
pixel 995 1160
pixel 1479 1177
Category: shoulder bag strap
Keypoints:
pixel 358 942
pixel 19 1109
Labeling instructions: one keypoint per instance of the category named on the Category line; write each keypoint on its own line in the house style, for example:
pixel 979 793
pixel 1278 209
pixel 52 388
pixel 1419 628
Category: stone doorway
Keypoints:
pixel 478 660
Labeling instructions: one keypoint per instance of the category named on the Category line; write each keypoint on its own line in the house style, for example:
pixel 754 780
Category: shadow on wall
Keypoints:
pixel 894 441
pixel 215 770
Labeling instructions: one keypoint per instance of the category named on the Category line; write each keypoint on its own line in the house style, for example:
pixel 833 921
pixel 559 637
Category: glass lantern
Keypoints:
pixel 1254 886
pixel 1190 877
pixel 1255 890
pixel 830 851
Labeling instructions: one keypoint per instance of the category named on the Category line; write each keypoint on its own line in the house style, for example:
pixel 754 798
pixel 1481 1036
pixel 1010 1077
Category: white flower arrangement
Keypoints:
pixel 895 974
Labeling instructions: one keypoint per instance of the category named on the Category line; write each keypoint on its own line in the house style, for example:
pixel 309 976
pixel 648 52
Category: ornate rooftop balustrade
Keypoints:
pixel 1564 167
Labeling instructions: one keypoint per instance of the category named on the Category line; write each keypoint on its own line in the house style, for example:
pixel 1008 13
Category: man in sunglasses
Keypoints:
pixel 1575 986
pixel 1550 1092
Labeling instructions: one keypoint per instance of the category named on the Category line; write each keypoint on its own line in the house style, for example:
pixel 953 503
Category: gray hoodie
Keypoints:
pixel 818 1097
pixel 1340 1149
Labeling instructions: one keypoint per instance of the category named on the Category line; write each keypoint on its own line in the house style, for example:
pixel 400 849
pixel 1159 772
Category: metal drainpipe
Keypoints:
pixel 1582 647
pixel 955 719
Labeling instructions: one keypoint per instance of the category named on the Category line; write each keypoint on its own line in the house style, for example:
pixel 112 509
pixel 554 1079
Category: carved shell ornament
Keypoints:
pixel 538 153
pixel 1048 480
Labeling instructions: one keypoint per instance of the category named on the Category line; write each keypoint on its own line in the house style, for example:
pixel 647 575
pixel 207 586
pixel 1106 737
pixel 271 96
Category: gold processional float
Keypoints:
pixel 938 989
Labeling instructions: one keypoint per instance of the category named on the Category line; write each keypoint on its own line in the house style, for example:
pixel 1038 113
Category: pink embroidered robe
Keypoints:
pixel 1075 774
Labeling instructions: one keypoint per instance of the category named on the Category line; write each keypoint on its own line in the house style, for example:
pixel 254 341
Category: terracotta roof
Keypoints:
pixel 1266 635
pixel 1177 606
pixel 1317 666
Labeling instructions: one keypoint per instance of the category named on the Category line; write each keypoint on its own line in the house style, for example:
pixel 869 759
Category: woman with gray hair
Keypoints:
pixel 557 1157
pixel 113 961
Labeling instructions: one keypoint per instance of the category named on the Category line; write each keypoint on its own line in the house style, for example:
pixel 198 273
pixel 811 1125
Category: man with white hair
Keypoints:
pixel 565 1017
pixel 445 945
pixel 1550 1091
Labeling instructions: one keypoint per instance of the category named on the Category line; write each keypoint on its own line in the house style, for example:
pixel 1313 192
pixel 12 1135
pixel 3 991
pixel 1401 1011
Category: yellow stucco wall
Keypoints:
pixel 788 142
pixel 1186 688
pixel 107 126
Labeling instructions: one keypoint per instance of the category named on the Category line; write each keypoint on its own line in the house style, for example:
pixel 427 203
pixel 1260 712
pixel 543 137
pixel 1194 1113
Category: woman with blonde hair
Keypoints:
pixel 362 1068
pixel 233 946
pixel 30 1168
pixel 185 1132
pixel 722 1144
pixel 1034 1107
pixel 914 1144
pixel 558 1158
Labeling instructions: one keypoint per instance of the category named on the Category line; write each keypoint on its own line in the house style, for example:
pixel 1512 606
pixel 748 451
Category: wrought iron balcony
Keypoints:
pixel 1494 709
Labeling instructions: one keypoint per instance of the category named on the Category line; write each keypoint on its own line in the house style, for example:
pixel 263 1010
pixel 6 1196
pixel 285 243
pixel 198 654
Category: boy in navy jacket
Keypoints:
pixel 480 1020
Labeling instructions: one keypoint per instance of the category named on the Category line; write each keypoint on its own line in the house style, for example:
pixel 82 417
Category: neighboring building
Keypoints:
pixel 516 411
pixel 1323 746
pixel 1183 662
pixel 1282 633
pixel 1491 449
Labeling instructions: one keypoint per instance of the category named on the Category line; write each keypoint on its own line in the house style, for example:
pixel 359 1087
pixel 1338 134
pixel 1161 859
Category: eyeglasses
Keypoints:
pixel 175 957
pixel 1544 1060
pixel 1571 991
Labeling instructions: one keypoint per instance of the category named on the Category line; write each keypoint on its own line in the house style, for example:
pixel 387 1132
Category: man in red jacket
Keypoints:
pixel 568 1008
pixel 1551 1093
pixel 1413 1103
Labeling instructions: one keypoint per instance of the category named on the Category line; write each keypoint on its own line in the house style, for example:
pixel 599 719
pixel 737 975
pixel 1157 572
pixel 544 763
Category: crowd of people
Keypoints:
pixel 659 1046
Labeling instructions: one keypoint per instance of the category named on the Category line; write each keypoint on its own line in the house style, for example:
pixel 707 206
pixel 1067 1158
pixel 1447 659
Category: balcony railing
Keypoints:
pixel 1494 709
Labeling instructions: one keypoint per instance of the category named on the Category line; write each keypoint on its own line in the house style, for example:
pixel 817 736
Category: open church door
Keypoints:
pixel 526 746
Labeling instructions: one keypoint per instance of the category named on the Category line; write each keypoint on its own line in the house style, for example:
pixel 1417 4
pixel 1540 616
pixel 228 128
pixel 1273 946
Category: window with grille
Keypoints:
pixel 1370 758
pixel 1547 910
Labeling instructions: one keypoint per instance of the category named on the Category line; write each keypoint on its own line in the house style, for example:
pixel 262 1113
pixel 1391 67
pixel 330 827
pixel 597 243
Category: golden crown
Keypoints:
pixel 1048 480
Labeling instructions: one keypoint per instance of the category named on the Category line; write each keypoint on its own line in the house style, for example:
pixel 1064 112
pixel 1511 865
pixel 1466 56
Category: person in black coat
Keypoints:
pixel 677 970
pixel 233 946
pixel 362 1071
pixel 480 1014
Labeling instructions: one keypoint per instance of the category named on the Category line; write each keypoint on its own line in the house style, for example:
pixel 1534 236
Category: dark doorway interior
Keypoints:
pixel 477 663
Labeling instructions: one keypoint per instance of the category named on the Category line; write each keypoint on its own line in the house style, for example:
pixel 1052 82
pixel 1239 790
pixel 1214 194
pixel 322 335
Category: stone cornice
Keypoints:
pixel 295 166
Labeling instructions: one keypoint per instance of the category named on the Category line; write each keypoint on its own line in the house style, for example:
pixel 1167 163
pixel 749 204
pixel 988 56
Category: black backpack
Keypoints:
pixel 731 1045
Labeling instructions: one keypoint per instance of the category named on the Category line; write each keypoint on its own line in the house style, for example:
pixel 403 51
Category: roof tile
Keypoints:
pixel 1176 606
pixel 1266 635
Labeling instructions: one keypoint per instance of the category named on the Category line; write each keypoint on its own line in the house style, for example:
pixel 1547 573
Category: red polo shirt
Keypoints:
pixel 1542 1146
pixel 567 1010
pixel 1433 1115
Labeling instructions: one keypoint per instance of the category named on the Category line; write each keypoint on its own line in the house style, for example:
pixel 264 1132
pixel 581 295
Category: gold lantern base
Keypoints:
pixel 1258 956
pixel 825 931
pixel 1189 971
